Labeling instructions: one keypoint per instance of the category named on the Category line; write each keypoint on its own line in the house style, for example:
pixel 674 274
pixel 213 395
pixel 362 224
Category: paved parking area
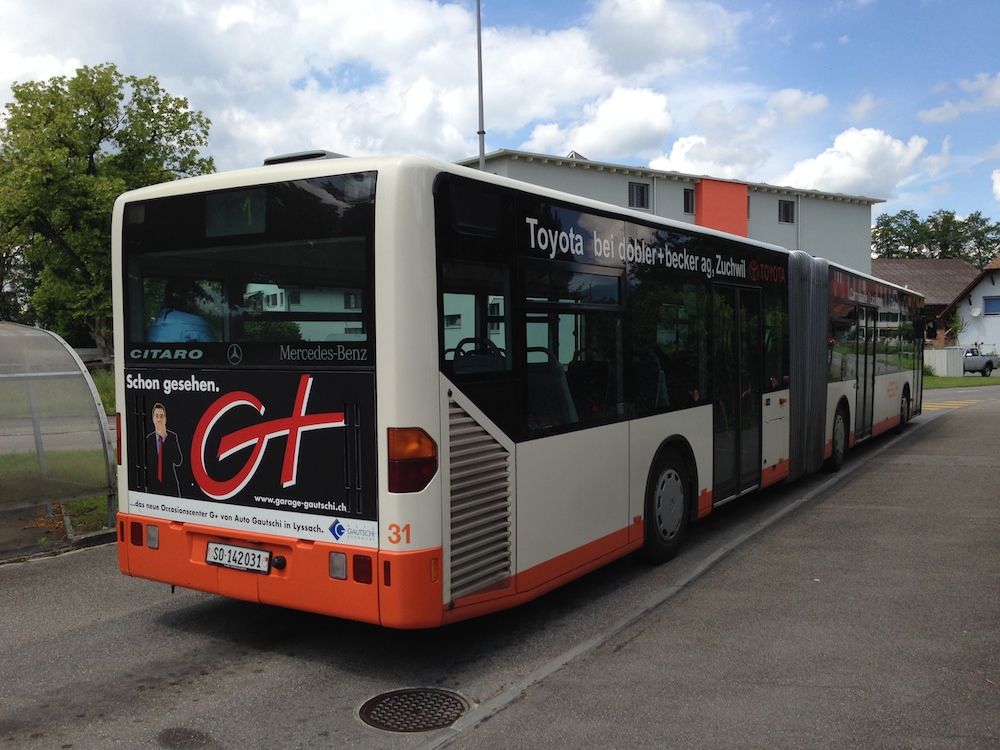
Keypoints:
pixel 867 618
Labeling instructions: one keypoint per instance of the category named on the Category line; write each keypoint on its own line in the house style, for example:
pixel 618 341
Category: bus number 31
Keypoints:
pixel 397 534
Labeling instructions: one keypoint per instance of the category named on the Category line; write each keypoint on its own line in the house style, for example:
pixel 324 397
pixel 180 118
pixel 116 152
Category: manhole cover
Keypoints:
pixel 413 710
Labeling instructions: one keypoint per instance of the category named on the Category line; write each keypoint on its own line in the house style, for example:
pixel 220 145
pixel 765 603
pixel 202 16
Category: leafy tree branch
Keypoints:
pixel 68 147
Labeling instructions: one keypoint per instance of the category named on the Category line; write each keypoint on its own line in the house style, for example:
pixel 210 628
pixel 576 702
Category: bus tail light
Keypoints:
pixel 118 436
pixel 412 459
pixel 150 539
pixel 362 569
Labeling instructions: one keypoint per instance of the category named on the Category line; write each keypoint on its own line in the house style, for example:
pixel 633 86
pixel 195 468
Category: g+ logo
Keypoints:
pixel 255 438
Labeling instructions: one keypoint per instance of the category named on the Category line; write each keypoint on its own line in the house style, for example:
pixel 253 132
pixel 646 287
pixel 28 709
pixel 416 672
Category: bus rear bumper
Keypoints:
pixel 401 590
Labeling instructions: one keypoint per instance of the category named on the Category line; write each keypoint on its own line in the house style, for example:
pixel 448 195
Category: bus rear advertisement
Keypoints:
pixel 407 393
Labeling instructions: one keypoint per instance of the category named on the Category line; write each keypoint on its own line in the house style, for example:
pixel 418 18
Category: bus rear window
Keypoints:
pixel 196 274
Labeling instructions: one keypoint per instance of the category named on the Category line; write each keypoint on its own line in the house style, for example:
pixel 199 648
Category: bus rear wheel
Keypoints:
pixel 838 440
pixel 667 508
pixel 904 413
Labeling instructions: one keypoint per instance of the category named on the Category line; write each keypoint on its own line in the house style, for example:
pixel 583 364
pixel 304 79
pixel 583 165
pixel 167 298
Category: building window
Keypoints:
pixel 452 321
pixel 991 305
pixel 689 200
pixel 638 195
pixel 786 212
pixel 352 300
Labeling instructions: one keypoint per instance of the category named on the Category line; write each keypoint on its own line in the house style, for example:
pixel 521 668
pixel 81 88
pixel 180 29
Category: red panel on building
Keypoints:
pixel 721 205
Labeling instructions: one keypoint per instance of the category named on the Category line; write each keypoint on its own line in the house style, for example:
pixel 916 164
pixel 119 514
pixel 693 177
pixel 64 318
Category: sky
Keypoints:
pixel 897 100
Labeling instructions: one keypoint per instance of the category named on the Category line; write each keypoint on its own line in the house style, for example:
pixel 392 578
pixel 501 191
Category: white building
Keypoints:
pixel 830 225
pixel 978 305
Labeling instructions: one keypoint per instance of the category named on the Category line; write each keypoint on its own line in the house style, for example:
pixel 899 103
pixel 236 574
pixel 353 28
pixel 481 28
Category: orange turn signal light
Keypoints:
pixel 412 459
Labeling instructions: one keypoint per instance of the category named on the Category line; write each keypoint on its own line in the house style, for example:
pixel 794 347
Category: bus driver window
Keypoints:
pixel 179 319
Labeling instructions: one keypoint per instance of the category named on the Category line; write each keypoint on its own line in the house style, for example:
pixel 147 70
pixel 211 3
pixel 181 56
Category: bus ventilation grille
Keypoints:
pixel 480 506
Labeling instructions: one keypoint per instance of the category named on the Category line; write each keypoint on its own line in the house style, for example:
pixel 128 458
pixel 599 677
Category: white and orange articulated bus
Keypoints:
pixel 408 393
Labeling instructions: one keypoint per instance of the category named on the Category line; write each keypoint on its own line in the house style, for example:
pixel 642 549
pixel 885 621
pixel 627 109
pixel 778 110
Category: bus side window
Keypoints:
pixel 573 366
pixel 473 332
pixel 776 352
pixel 842 343
pixel 549 401
pixel 668 341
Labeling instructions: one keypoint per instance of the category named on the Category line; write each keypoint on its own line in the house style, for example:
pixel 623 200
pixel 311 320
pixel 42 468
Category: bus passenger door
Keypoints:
pixel 737 392
pixel 866 371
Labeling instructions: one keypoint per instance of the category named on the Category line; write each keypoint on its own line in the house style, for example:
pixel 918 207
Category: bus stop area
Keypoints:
pixel 55 443
pixel 867 617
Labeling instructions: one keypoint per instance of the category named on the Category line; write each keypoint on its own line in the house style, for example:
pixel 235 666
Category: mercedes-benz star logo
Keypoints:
pixel 235 354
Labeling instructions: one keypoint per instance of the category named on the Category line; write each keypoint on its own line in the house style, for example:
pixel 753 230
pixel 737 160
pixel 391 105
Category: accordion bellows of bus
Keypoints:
pixel 407 393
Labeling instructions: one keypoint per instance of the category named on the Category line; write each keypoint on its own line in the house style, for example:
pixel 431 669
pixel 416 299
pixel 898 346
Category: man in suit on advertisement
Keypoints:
pixel 163 456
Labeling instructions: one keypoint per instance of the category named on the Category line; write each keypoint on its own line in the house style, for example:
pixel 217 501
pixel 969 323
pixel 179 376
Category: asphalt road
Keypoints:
pixel 858 610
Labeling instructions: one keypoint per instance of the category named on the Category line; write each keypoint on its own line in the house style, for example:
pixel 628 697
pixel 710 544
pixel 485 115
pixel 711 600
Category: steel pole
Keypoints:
pixel 479 50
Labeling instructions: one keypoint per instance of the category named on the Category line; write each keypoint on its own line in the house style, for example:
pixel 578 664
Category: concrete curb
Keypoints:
pixel 90 539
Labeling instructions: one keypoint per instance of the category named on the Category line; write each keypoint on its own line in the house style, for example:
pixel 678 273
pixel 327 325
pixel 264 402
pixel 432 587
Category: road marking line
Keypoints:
pixel 936 405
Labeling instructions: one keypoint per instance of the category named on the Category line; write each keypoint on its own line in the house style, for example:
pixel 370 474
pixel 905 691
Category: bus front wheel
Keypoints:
pixel 667 508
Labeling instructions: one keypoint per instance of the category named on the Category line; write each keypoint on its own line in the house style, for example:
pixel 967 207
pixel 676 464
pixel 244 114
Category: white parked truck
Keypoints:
pixel 975 361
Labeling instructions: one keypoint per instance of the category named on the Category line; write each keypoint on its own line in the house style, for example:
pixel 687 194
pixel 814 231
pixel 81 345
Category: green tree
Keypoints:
pixel 899 235
pixel 943 234
pixel 982 240
pixel 15 283
pixel 68 148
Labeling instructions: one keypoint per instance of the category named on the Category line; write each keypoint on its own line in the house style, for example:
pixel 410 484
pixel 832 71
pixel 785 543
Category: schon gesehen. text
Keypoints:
pixel 139 382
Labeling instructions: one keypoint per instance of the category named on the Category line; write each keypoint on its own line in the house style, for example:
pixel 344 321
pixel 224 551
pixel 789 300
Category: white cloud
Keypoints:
pixel 629 122
pixel 692 154
pixel 24 68
pixel 384 76
pixel 636 36
pixel 934 164
pixel 365 86
pixel 996 184
pixel 529 77
pixel 791 106
pixel 233 14
pixel 376 76
pixel 985 91
pixel 860 162
pixel 736 142
pixel 863 108
pixel 673 83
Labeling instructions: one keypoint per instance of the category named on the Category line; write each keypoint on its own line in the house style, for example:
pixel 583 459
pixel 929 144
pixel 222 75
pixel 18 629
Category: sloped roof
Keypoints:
pixel 991 268
pixel 940 281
